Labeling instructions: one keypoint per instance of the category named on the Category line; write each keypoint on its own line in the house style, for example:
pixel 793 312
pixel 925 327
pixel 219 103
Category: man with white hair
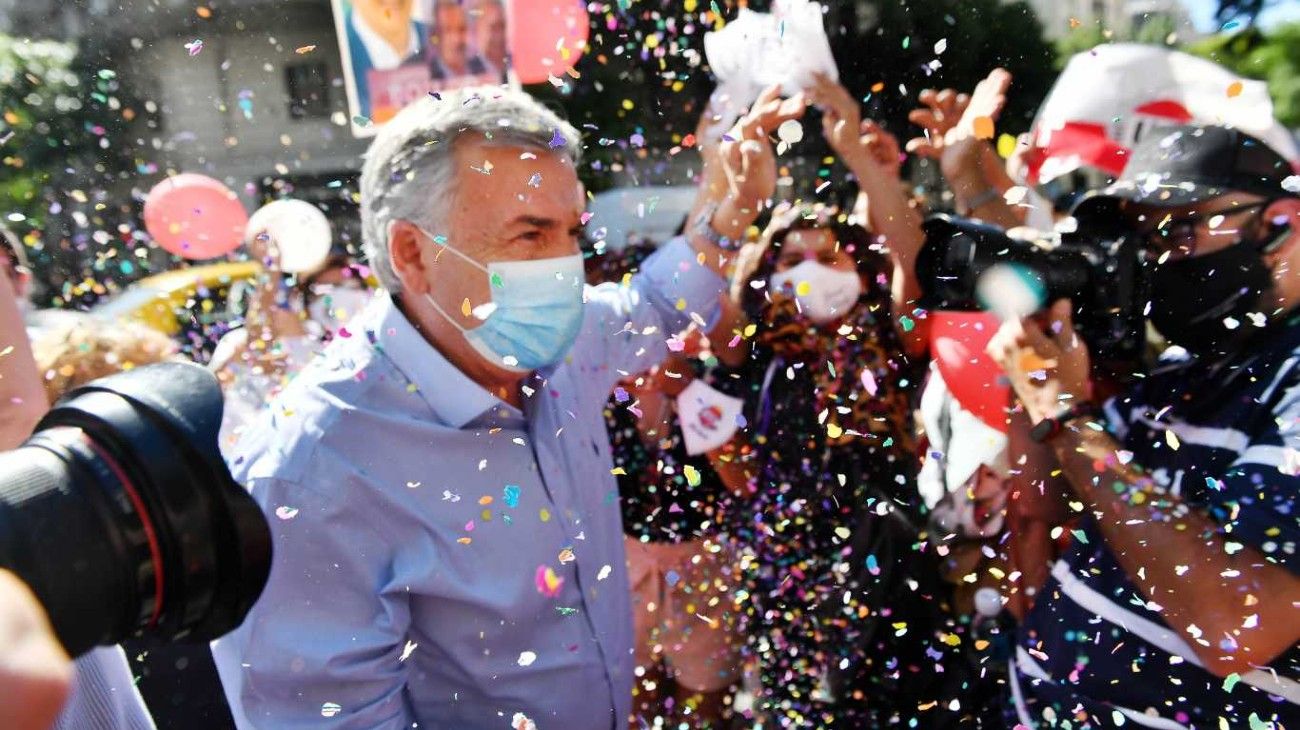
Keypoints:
pixel 447 535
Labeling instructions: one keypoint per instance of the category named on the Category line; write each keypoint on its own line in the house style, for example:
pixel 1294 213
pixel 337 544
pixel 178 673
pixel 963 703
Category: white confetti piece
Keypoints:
pixel 286 512
pixel 407 651
pixel 605 570
pixel 790 131
pixel 330 709
pixel 1171 438
pixel 526 658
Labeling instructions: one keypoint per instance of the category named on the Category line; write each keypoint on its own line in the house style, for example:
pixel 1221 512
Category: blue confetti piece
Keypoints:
pixel 558 140
pixel 671 578
pixel 872 566
pixel 510 495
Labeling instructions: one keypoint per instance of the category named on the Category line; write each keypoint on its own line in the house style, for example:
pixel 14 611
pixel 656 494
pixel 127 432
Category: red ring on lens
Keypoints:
pixel 155 552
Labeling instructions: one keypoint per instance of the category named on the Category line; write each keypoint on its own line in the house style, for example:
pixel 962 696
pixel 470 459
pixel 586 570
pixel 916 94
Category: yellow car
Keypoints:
pixel 181 301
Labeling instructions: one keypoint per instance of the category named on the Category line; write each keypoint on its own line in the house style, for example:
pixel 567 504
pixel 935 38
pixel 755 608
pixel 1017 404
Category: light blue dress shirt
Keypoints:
pixel 412 513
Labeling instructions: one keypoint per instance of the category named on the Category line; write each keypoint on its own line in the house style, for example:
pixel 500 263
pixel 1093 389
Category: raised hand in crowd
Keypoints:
pixel 871 154
pixel 749 160
pixel 958 129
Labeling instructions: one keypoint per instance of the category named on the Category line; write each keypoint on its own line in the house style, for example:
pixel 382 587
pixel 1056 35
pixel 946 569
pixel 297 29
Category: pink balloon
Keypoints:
pixel 957 342
pixel 195 217
pixel 536 27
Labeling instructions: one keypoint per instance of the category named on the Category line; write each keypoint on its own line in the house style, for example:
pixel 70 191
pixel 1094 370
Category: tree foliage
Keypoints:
pixel 1272 57
pixel 1239 10
pixel 642 85
pixel 66 123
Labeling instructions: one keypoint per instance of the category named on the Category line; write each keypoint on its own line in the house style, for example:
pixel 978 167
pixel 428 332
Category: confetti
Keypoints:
pixel 286 513
pixel 692 475
pixel 304 50
pixel 407 651
pixel 547 582
pixel 526 658
pixel 194 47
pixel 330 709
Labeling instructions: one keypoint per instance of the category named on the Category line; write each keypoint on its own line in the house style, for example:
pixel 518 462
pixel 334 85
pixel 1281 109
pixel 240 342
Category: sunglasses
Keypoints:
pixel 1177 237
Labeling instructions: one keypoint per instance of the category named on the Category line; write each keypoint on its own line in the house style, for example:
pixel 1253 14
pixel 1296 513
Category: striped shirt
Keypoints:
pixel 1093 652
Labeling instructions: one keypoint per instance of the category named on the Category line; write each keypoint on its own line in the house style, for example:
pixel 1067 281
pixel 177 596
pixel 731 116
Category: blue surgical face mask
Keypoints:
pixel 534 315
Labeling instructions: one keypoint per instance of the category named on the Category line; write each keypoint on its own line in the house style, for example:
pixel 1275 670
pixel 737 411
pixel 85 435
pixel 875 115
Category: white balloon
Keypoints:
pixel 300 231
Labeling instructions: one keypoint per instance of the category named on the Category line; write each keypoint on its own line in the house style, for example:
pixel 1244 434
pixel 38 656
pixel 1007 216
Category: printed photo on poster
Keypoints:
pixel 395 51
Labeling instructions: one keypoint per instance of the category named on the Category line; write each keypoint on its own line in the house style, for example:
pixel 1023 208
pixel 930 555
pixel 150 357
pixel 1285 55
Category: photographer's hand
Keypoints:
pixel 35 672
pixel 1047 371
pixel 1175 554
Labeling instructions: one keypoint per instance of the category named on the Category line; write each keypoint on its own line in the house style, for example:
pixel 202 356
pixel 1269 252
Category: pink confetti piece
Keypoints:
pixel 869 382
pixel 548 583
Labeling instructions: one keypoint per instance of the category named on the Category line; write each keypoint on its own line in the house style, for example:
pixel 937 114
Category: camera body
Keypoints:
pixel 968 265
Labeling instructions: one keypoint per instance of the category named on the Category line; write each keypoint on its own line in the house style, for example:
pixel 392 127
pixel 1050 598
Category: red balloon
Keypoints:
pixel 957 342
pixel 195 217
pixel 547 37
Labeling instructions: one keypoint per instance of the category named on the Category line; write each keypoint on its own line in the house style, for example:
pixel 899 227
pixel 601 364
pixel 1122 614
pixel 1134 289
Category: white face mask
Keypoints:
pixel 333 306
pixel 824 294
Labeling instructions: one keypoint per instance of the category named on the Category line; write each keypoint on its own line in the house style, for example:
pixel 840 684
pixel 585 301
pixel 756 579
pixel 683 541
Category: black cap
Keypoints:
pixel 1191 163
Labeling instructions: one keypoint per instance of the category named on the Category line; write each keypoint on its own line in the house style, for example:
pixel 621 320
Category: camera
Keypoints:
pixel 121 516
pixel 967 265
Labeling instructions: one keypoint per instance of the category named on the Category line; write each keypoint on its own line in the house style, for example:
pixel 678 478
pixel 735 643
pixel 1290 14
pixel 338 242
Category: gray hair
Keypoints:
pixel 409 172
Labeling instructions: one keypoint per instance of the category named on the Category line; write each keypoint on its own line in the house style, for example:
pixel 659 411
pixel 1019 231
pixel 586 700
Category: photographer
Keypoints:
pixel 1175 604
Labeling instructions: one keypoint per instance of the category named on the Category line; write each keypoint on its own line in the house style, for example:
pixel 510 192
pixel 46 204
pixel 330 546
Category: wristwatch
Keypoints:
pixel 1051 427
pixel 988 196
pixel 703 228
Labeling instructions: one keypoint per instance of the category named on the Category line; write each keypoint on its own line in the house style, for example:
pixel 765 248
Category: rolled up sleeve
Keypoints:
pixel 627 325
pixel 322 646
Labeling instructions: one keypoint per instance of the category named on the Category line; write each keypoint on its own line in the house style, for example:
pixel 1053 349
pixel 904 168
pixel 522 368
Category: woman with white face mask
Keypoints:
pixel 827 504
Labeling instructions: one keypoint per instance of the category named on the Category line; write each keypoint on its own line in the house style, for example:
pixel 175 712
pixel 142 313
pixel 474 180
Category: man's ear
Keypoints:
pixel 23 283
pixel 406 254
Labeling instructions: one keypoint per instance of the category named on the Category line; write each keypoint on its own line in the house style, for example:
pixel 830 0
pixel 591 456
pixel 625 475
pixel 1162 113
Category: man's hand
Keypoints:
pixel 35 672
pixel 746 152
pixel 958 127
pixel 842 124
pixel 1047 370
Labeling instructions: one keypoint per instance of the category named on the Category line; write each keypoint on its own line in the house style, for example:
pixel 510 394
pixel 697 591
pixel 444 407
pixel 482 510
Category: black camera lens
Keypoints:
pixel 121 516
pixel 967 265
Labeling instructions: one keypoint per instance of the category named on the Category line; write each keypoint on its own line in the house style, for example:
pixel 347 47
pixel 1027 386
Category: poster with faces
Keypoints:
pixel 707 417
pixel 397 51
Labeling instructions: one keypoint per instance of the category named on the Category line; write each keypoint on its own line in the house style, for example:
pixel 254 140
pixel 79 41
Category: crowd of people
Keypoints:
pixel 718 482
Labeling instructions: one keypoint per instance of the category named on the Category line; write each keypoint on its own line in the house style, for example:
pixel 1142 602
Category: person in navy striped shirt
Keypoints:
pixel 1176 604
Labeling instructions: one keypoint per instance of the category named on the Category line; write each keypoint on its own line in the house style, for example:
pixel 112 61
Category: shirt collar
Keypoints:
pixel 453 396
pixel 382 55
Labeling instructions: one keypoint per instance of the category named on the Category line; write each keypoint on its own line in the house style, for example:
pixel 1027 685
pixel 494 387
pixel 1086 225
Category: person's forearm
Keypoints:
pixel 899 225
pixel 990 205
pixel 1213 591
pixel 22 397
pixel 1037 504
